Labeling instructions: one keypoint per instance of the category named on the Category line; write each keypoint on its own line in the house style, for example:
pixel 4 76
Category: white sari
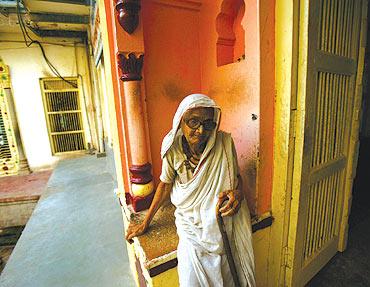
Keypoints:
pixel 201 256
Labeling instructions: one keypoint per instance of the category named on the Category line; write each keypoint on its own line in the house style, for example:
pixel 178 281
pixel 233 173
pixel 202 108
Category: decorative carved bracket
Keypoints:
pixel 128 14
pixel 131 66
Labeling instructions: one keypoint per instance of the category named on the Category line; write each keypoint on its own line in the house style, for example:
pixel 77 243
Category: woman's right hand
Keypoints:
pixel 161 195
pixel 135 229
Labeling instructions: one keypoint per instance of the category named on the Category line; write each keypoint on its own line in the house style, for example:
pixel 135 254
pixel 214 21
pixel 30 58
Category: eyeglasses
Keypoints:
pixel 193 123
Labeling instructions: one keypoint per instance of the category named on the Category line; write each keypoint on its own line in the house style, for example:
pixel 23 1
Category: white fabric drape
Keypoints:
pixel 202 261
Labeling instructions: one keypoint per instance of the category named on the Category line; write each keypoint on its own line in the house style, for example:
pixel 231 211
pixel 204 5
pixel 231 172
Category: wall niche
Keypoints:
pixel 230 45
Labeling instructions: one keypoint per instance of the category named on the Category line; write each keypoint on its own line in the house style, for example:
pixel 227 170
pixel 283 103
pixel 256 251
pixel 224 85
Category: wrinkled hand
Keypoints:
pixel 135 229
pixel 234 198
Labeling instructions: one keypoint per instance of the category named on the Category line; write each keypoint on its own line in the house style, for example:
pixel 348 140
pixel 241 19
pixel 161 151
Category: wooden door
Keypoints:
pixel 63 112
pixel 327 81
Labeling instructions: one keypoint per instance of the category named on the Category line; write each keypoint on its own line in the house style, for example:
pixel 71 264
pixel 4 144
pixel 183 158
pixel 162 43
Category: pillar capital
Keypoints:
pixel 131 65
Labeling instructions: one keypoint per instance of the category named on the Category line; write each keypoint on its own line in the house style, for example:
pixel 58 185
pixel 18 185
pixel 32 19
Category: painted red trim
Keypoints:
pixel 141 203
pixel 141 174
pixel 163 267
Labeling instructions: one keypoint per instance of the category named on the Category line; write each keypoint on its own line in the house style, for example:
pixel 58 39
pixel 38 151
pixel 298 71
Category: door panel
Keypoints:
pixel 63 113
pixel 332 61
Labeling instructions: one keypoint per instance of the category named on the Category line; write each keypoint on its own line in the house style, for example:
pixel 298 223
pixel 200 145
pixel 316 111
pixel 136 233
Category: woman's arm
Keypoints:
pixel 161 195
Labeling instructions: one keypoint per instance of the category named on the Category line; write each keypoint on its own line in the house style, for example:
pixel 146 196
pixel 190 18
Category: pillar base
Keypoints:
pixel 142 190
pixel 139 203
pixel 141 174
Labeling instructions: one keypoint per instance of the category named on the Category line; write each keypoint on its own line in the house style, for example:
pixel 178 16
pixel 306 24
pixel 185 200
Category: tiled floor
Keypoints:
pixel 75 235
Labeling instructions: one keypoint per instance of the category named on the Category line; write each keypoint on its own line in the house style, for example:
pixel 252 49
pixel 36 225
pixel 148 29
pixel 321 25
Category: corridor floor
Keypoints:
pixel 75 235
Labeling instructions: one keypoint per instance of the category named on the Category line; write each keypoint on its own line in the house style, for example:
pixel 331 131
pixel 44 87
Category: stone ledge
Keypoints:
pixel 156 249
pixel 158 245
pixel 19 199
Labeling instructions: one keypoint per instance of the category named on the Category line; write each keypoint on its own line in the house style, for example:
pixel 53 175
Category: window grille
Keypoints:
pixel 5 152
pixel 8 150
pixel 63 114
pixel 9 158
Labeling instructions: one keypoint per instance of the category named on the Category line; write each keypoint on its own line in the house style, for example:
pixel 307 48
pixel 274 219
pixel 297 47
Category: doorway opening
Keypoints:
pixel 360 210
pixel 351 268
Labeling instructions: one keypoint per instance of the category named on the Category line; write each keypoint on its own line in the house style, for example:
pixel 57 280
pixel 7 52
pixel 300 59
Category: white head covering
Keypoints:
pixel 190 102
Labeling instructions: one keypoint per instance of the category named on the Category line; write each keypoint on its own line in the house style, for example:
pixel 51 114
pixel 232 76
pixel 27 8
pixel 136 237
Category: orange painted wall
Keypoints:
pixel 171 66
pixel 235 87
pixel 180 58
pixel 267 101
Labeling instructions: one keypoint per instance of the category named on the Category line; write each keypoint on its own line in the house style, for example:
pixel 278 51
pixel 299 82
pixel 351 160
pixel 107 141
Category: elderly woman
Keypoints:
pixel 199 170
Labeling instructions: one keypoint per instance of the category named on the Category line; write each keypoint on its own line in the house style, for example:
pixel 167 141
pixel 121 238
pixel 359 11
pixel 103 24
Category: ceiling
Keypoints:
pixel 47 18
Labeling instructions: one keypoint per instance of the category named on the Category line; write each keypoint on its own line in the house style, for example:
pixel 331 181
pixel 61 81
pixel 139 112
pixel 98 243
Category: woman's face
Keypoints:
pixel 197 125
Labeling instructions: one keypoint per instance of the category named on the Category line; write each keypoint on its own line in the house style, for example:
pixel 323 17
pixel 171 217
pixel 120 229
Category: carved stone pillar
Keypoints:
pixel 140 168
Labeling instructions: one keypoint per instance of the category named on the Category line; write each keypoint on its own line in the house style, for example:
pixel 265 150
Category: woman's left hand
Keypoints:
pixel 234 197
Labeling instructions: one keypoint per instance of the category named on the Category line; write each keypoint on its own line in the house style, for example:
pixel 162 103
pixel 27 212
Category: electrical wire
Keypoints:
pixel 29 41
pixel 66 44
